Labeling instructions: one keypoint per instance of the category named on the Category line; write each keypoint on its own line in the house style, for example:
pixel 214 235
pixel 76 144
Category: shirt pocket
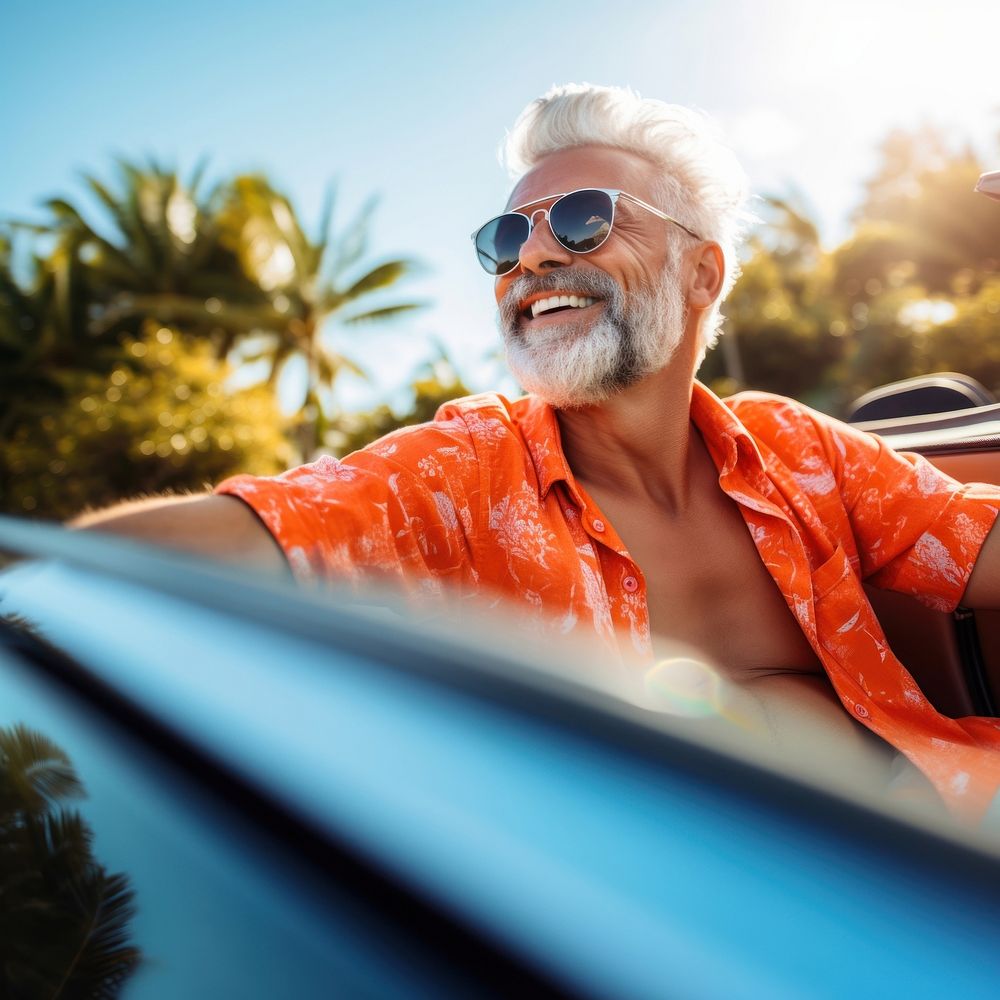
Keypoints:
pixel 830 574
pixel 844 619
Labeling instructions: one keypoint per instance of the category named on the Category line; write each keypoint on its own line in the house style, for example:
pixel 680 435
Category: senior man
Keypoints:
pixel 621 498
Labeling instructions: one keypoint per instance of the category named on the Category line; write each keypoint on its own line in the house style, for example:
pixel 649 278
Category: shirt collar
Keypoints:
pixel 730 444
pixel 537 422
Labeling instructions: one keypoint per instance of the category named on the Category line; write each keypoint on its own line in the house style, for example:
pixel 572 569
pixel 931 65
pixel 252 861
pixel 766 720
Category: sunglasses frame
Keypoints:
pixel 613 194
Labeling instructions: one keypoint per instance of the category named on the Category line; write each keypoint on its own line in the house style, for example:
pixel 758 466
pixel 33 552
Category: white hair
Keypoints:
pixel 700 183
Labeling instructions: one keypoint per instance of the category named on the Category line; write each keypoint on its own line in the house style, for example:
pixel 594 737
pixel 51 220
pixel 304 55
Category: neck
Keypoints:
pixel 639 443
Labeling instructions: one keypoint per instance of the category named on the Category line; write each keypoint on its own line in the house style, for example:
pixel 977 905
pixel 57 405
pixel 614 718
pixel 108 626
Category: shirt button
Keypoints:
pixel 861 712
pixel 598 524
pixel 631 584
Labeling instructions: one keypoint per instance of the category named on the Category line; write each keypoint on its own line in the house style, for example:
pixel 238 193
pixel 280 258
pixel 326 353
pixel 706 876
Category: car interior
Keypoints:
pixel 955 423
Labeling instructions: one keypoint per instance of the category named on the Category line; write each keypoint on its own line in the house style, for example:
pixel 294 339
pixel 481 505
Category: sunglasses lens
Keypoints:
pixel 499 242
pixel 581 221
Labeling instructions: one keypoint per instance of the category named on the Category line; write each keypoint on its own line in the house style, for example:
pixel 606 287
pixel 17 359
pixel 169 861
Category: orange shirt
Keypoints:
pixel 482 500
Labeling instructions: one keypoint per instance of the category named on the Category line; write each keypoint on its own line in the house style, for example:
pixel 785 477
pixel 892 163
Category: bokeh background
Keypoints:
pixel 236 234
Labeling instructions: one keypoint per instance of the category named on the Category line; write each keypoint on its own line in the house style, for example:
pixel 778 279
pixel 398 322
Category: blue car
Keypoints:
pixel 218 786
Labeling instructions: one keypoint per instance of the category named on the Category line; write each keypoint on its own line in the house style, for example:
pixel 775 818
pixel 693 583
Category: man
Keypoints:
pixel 622 498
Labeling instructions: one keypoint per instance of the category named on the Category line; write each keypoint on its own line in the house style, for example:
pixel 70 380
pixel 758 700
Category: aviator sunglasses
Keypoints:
pixel 580 220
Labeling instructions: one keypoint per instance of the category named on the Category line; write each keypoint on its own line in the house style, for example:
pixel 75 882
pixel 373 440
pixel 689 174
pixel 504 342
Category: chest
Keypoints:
pixel 707 585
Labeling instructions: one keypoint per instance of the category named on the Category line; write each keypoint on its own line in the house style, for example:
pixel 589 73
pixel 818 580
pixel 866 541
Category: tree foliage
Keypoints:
pixel 914 289
pixel 437 384
pixel 307 281
pixel 116 335
pixel 64 922
pixel 160 420
pixel 120 329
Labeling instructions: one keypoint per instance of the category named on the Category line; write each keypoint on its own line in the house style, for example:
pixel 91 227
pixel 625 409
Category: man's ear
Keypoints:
pixel 707 275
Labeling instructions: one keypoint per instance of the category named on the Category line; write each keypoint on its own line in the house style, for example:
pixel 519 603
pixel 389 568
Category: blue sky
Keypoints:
pixel 409 101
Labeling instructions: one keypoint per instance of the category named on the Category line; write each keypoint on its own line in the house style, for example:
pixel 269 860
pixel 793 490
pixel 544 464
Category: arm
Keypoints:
pixel 218 527
pixel 983 590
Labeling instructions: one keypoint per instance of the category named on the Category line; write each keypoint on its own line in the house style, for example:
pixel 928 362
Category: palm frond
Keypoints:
pixel 110 202
pixel 380 277
pixel 325 220
pixel 384 313
pixel 169 308
pixel 35 771
pixel 104 956
pixel 197 175
pixel 353 245
pixel 334 362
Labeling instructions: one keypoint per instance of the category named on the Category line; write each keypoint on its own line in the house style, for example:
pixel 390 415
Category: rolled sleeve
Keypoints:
pixel 936 567
pixel 397 512
pixel 918 530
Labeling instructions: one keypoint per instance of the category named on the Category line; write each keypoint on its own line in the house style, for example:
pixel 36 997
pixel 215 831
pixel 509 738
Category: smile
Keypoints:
pixel 555 303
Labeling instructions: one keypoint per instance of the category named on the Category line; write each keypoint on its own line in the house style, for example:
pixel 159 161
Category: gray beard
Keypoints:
pixel 579 362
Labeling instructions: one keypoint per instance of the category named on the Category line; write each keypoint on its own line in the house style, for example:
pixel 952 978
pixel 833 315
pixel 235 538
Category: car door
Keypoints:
pixel 955 658
pixel 309 802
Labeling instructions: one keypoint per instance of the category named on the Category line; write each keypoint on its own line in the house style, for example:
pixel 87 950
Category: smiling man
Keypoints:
pixel 620 499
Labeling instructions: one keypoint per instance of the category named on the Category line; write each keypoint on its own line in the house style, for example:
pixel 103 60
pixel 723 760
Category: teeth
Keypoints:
pixel 560 302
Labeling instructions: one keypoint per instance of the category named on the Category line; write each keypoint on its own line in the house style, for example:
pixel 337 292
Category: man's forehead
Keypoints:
pixel 585 166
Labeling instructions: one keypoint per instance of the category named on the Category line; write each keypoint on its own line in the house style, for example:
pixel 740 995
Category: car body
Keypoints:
pixel 308 799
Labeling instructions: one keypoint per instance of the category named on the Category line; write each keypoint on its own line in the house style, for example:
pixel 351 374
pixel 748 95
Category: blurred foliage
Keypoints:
pixel 972 333
pixel 306 283
pixel 914 289
pixel 91 407
pixel 438 383
pixel 64 919
pixel 160 420
pixel 120 329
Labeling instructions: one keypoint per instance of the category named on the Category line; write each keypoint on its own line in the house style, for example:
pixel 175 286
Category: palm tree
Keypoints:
pixel 309 283
pixel 234 264
pixel 157 253
pixel 64 920
pixel 42 331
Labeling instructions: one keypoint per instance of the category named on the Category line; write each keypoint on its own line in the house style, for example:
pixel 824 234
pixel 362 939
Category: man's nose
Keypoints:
pixel 541 251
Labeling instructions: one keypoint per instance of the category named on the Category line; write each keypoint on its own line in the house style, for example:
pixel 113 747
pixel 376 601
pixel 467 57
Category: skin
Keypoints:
pixel 638 455
pixel 646 468
pixel 219 527
pixel 644 464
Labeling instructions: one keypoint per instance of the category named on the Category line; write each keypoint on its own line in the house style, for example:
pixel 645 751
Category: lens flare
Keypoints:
pixel 684 686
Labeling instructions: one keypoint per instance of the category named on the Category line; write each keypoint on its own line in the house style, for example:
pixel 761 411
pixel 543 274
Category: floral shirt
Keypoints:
pixel 482 501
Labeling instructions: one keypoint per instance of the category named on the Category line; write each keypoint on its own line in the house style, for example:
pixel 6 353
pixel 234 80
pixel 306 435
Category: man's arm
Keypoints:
pixel 218 527
pixel 983 588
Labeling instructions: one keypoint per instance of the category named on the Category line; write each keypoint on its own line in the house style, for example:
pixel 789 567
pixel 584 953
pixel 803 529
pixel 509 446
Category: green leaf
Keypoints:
pixel 380 277
pixel 386 312
pixel 352 246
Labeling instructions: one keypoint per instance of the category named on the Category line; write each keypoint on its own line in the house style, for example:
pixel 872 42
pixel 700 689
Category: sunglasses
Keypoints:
pixel 581 221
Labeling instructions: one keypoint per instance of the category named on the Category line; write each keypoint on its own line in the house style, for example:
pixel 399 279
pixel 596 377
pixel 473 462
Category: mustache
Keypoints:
pixel 592 283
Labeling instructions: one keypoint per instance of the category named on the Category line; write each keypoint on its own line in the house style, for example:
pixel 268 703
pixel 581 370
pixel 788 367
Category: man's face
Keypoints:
pixel 583 354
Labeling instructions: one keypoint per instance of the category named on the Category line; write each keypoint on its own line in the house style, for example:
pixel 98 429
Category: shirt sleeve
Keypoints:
pixel 918 531
pixel 397 512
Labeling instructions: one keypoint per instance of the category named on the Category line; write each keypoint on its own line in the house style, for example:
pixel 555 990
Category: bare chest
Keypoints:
pixel 707 586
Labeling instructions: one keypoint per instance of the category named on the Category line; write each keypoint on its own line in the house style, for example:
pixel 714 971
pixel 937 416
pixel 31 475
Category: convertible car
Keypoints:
pixel 215 786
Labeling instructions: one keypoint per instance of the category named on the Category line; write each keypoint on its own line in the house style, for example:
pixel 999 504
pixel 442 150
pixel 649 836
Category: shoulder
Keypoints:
pixel 766 408
pixel 459 436
pixel 487 415
pixel 800 435
pixel 778 419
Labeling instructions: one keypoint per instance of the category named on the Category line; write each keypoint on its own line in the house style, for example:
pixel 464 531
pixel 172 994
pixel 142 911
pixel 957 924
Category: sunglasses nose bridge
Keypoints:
pixel 542 248
pixel 543 212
